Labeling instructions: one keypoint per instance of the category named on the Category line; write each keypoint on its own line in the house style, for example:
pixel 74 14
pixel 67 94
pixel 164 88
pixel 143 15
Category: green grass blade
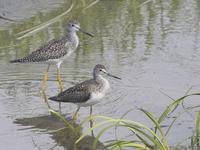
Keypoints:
pixel 151 117
pixel 157 125
pixel 90 129
pixel 144 141
pixel 157 141
pixel 59 116
pixel 180 113
pixel 130 144
pixel 37 28
pixel 198 123
pixel 92 4
pixel 197 130
pixel 99 135
pixel 172 107
pixel 113 143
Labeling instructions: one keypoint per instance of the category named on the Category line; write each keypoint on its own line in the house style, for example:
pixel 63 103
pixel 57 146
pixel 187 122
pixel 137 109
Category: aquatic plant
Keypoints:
pixel 144 137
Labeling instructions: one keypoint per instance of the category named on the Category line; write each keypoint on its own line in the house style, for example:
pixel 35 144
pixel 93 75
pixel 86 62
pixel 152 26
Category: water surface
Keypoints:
pixel 154 47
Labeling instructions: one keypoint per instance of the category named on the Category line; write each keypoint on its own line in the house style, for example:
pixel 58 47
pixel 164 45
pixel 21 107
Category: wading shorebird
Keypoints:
pixel 87 93
pixel 55 52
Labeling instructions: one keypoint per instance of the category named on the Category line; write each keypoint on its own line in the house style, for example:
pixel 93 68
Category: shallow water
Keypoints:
pixel 153 46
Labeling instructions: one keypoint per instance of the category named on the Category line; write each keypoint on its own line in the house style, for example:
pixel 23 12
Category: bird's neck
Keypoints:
pixel 103 82
pixel 72 36
pixel 99 78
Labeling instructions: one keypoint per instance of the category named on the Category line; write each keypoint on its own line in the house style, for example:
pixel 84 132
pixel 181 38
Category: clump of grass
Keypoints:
pixel 146 138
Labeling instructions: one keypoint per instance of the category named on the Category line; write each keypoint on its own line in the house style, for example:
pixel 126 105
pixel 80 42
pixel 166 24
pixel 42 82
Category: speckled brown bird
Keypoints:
pixel 87 93
pixel 55 52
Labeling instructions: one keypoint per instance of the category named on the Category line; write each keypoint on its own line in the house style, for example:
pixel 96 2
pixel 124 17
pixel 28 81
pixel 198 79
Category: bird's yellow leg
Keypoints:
pixel 60 85
pixel 45 78
pixel 59 80
pixel 91 121
pixel 46 99
pixel 74 116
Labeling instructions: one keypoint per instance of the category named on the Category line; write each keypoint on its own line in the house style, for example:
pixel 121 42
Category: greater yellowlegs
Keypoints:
pixel 54 52
pixel 87 93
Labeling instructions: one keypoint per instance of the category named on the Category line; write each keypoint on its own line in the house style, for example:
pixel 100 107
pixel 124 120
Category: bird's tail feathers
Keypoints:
pixel 16 61
pixel 55 98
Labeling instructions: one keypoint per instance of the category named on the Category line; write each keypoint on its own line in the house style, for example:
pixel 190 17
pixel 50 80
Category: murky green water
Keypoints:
pixel 154 47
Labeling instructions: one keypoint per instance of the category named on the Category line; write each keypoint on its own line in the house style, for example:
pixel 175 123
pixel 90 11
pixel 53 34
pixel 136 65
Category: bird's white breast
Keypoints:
pixel 97 95
pixel 101 93
pixel 77 40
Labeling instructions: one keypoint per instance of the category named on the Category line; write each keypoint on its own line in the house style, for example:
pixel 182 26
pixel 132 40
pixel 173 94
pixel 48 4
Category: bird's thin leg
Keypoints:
pixel 91 121
pixel 74 116
pixel 59 79
pixel 60 84
pixel 45 78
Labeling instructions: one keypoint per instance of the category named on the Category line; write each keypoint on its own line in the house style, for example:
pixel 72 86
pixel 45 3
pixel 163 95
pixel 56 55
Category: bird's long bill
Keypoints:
pixel 113 76
pixel 86 33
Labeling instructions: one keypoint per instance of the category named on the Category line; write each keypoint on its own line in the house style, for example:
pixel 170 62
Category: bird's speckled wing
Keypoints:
pixel 54 49
pixel 77 94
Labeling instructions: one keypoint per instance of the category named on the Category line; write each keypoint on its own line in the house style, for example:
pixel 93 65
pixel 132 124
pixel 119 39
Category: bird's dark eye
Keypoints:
pixel 100 70
pixel 73 25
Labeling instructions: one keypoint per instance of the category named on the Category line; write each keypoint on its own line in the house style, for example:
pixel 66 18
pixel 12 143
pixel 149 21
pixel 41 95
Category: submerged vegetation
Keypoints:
pixel 143 137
